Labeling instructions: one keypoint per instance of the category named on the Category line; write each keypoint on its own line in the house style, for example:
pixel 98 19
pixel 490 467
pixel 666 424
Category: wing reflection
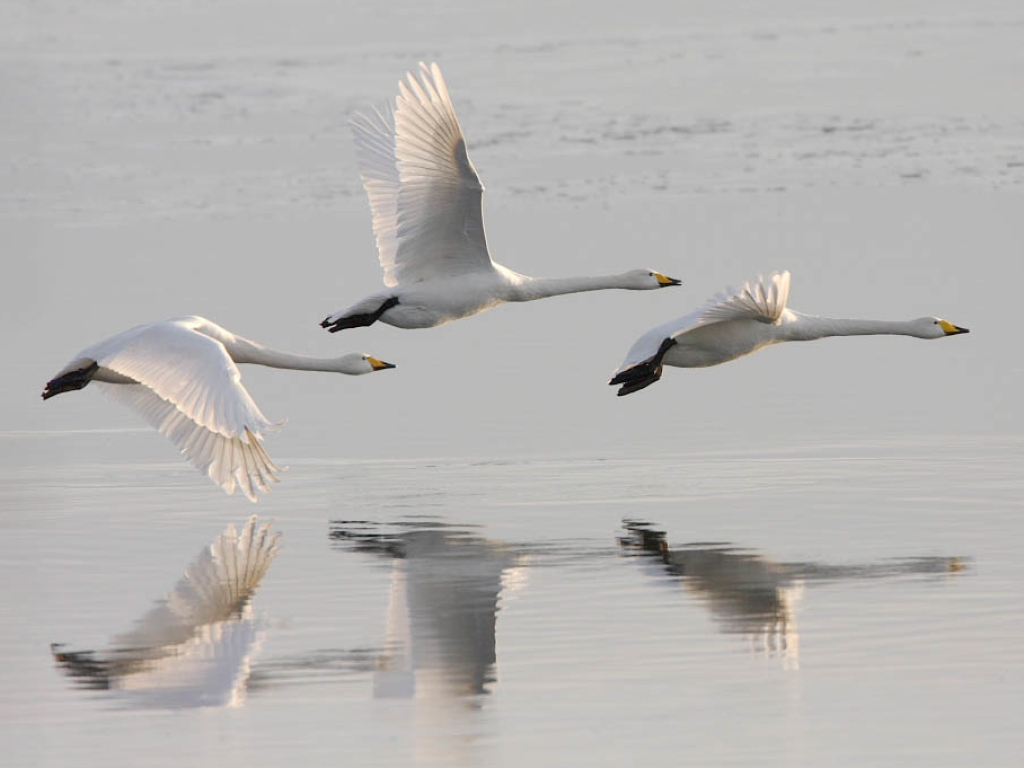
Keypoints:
pixel 446 584
pixel 751 595
pixel 193 648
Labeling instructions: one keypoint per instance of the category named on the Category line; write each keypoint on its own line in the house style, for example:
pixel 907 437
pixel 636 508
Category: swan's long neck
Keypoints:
pixel 245 351
pixel 530 288
pixel 809 327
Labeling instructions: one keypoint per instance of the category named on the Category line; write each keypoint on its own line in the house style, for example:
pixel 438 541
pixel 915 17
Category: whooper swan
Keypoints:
pixel 736 323
pixel 426 200
pixel 181 376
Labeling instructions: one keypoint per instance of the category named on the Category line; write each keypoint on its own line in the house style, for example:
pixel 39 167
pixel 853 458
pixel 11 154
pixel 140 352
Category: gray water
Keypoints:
pixel 842 604
pixel 805 557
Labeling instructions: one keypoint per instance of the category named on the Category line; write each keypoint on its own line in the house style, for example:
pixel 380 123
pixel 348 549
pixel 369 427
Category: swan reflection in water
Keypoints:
pixel 446 585
pixel 751 595
pixel 193 648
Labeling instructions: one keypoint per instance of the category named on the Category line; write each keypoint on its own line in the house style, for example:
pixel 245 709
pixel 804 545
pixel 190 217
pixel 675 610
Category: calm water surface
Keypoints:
pixel 823 604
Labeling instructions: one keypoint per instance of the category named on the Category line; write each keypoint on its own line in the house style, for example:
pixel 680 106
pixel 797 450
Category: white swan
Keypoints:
pixel 181 376
pixel 426 200
pixel 736 323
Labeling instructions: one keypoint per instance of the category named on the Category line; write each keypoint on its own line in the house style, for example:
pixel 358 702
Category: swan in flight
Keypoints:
pixel 738 322
pixel 427 205
pixel 181 376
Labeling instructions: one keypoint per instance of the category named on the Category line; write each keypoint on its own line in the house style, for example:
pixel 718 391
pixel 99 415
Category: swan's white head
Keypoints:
pixel 935 328
pixel 356 364
pixel 647 279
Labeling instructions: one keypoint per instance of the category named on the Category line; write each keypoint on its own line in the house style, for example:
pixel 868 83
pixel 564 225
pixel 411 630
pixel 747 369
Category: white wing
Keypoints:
pixel 375 147
pixel 190 390
pixel 763 299
pixel 425 194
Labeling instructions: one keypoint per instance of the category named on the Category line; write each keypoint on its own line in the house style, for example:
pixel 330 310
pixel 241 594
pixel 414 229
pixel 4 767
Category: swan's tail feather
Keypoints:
pixel 70 381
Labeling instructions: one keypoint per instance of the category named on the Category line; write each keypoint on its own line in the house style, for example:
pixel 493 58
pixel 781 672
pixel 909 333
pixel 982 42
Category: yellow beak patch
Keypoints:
pixel 949 328
pixel 665 280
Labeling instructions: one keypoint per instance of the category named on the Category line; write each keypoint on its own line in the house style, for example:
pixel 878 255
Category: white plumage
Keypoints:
pixel 740 321
pixel 181 376
pixel 427 205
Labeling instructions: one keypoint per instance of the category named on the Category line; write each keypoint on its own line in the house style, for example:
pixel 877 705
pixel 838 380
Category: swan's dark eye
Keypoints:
pixel 650 274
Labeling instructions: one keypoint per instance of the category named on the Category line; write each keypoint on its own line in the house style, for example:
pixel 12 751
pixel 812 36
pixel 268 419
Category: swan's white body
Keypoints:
pixel 738 322
pixel 195 646
pixel 181 375
pixel 427 205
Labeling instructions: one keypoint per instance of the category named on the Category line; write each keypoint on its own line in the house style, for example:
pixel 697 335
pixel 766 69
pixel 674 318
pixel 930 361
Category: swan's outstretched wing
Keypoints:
pixel 374 136
pixel 228 461
pixel 425 194
pixel 763 300
pixel 190 390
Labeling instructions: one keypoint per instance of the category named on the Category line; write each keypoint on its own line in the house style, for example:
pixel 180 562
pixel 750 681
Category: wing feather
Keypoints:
pixel 763 299
pixel 425 194
pixel 225 460
pixel 374 136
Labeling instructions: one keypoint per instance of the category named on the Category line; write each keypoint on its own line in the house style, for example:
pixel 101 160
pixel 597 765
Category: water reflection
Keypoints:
pixel 439 639
pixel 193 649
pixel 446 583
pixel 749 594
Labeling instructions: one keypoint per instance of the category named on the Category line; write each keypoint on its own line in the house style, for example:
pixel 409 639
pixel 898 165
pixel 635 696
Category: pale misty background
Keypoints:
pixel 160 159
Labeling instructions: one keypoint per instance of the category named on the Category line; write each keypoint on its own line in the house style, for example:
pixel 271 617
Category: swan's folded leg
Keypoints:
pixel 70 381
pixel 644 373
pixel 358 316
pixel 638 377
